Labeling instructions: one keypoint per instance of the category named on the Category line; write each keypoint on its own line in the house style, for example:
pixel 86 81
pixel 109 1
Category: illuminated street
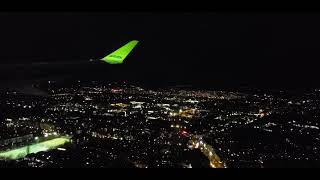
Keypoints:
pixel 198 143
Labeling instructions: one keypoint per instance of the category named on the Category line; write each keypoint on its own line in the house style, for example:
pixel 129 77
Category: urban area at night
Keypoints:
pixel 159 90
pixel 96 124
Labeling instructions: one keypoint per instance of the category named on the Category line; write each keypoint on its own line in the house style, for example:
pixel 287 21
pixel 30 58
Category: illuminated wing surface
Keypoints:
pixel 118 56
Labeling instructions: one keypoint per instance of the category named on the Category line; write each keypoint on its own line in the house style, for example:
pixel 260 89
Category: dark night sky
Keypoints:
pixel 215 49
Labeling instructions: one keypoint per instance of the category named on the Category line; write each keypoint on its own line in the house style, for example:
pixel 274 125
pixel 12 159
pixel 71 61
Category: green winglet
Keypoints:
pixel 120 54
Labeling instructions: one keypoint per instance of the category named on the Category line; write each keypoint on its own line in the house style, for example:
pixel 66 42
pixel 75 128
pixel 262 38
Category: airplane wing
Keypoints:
pixel 21 77
pixel 118 56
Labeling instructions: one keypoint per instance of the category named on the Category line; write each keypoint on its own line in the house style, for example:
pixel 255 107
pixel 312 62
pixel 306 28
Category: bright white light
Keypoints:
pixel 212 165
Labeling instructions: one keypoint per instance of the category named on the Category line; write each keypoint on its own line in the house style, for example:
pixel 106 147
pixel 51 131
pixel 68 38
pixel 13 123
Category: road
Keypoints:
pixel 198 143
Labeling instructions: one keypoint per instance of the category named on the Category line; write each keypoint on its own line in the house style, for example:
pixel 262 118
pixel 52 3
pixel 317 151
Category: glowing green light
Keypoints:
pixel 120 54
pixel 34 148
